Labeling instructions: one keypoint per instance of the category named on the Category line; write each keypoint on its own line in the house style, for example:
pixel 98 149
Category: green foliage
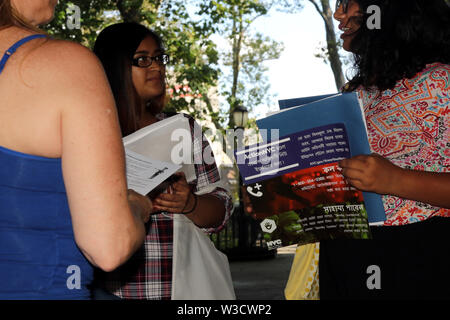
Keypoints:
pixel 194 69
pixel 92 20
pixel 245 81
pixel 194 57
pixel 259 49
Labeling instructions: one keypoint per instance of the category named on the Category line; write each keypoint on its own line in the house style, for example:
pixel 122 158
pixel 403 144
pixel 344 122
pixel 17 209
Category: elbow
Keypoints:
pixel 109 250
pixel 109 265
pixel 105 262
pixel 116 257
pixel 109 258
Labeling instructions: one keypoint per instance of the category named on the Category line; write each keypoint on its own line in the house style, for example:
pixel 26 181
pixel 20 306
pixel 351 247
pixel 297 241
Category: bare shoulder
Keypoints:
pixel 66 72
pixel 61 60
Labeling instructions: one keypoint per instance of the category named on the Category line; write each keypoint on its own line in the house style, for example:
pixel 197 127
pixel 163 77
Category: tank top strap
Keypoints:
pixel 15 46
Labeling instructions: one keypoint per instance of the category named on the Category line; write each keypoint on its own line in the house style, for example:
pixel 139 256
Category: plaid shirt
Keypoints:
pixel 148 274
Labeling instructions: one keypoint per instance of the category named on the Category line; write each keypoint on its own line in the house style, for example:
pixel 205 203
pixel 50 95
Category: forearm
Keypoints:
pixel 130 237
pixel 111 244
pixel 427 187
pixel 374 173
pixel 137 212
pixel 209 212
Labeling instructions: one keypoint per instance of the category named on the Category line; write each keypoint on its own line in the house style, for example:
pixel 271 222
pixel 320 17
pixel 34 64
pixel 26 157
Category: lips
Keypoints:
pixel 157 78
pixel 346 31
pixel 347 34
pixel 344 28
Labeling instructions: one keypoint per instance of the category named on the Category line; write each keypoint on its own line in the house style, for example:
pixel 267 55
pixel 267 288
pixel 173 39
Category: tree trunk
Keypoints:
pixel 237 45
pixel 130 10
pixel 333 50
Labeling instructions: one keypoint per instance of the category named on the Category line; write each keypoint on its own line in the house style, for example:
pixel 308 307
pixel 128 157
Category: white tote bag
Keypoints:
pixel 200 271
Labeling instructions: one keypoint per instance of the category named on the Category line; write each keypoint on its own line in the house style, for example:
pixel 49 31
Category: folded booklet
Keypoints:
pixel 293 179
pixel 154 153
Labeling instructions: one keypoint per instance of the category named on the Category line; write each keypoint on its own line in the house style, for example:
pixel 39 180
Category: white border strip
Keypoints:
pixel 263 146
pixel 272 171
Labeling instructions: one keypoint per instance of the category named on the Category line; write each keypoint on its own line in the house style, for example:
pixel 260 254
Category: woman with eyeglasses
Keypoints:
pixel 402 75
pixel 135 62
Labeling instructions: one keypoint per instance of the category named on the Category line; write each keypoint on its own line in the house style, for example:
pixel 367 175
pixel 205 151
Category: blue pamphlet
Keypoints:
pixel 288 103
pixel 339 111
pixel 296 186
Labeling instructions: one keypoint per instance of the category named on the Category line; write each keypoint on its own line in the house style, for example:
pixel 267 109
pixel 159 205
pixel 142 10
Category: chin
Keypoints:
pixel 46 20
pixel 153 94
pixel 347 44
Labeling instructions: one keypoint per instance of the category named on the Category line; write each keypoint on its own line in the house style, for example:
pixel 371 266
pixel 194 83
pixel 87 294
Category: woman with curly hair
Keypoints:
pixel 403 79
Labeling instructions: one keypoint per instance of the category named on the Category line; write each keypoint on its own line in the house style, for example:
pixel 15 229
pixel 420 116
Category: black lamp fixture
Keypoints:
pixel 240 116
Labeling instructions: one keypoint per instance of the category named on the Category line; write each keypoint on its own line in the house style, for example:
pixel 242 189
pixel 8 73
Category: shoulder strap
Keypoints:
pixel 15 46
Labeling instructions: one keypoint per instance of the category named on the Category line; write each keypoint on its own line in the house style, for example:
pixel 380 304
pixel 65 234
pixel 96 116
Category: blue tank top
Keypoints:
pixel 39 258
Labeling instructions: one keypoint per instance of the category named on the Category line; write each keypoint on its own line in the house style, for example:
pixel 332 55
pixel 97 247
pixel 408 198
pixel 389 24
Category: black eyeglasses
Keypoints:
pixel 344 4
pixel 146 61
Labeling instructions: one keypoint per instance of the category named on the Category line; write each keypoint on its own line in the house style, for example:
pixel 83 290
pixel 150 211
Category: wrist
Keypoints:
pixel 191 204
pixel 139 211
pixel 396 181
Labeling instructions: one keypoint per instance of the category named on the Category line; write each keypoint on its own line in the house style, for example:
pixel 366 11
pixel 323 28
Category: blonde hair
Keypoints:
pixel 9 17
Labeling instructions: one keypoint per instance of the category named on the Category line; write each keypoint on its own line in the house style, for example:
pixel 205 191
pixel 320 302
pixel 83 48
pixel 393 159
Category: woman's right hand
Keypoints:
pixel 143 204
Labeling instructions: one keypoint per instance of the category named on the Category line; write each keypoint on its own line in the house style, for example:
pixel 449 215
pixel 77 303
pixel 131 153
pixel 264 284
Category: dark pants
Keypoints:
pixel 406 262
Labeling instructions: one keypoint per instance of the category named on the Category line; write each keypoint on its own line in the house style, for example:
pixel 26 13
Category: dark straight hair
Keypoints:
pixel 115 47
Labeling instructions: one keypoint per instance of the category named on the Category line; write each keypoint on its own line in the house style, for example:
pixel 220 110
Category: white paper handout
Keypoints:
pixel 145 174
pixel 158 151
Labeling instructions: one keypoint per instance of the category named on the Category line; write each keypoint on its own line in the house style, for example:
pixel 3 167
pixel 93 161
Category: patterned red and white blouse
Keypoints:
pixel 410 126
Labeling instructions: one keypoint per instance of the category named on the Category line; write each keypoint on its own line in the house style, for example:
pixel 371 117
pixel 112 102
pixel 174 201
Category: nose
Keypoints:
pixel 156 66
pixel 339 13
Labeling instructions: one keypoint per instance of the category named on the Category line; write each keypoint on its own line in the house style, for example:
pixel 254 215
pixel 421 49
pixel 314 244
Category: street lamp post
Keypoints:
pixel 246 248
pixel 240 117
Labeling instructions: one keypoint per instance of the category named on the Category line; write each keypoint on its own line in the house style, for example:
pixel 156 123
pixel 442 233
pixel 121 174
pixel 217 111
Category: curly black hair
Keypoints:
pixel 413 34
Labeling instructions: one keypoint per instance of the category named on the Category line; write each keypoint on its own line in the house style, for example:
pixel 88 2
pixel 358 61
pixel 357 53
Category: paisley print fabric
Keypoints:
pixel 410 126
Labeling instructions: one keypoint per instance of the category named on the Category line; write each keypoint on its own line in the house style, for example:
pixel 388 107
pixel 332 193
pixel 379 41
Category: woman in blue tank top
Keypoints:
pixel 64 205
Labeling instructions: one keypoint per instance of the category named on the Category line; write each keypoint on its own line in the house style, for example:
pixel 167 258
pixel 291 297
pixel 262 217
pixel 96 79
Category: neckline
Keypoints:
pixel 27 155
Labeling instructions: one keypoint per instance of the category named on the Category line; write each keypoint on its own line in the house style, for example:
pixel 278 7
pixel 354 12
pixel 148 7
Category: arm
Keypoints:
pixel 210 210
pixel 108 228
pixel 376 174
pixel 207 211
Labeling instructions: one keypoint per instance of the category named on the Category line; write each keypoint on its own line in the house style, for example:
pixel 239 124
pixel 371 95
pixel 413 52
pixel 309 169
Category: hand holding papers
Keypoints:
pixel 295 178
pixel 156 152
pixel 341 108
pixel 145 174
